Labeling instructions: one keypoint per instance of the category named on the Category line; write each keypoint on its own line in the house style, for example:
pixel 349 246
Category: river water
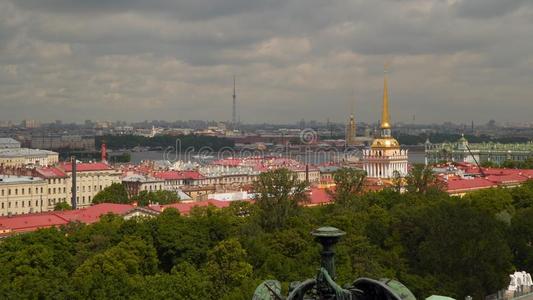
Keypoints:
pixel 415 157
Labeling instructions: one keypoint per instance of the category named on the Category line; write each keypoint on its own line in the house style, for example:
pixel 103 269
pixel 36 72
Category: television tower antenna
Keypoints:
pixel 234 115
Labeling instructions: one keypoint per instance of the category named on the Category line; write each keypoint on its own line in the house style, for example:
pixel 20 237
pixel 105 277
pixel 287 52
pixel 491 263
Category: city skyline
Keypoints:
pixel 450 60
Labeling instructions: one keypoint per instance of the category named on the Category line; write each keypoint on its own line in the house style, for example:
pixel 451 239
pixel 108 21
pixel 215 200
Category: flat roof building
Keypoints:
pixel 17 157
pixel 9 143
pixel 22 195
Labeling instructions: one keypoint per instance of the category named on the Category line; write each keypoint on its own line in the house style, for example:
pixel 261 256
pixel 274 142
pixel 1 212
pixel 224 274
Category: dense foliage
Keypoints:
pixel 433 243
pixel 144 198
pixel 115 193
pixel 63 205
pixel 195 142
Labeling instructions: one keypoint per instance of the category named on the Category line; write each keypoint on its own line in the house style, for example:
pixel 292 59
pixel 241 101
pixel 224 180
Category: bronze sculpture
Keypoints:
pixel 324 287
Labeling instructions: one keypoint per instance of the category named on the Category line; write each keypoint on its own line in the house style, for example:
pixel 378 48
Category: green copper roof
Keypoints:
pixel 437 297
pixel 399 289
pixel 328 232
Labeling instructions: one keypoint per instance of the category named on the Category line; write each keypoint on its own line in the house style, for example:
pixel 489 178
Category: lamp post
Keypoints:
pixel 328 237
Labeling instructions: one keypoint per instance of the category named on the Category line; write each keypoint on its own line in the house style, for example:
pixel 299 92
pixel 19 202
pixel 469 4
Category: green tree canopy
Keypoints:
pixel 183 282
pixel 349 183
pixel 421 179
pixel 279 193
pixel 144 198
pixel 115 193
pixel 117 272
pixel 464 249
pixel 35 266
pixel 492 201
pixel 62 205
pixel 227 266
pixel 521 239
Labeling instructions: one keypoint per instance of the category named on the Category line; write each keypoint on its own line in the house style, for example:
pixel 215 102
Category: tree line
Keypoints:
pixel 116 193
pixel 431 242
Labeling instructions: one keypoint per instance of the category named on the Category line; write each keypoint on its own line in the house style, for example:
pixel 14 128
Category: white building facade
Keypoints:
pixel 385 159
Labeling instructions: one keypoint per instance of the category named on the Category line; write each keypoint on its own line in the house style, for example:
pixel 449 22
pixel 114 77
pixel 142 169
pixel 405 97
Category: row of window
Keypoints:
pixel 39 203
pixel 83 200
pixel 51 191
pixel 23 203
pixel 53 201
pixel 59 180
pixel 154 188
pixel 88 188
pixel 22 191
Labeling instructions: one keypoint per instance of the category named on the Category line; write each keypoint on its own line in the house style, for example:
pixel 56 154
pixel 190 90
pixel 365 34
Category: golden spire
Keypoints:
pixel 352 105
pixel 385 118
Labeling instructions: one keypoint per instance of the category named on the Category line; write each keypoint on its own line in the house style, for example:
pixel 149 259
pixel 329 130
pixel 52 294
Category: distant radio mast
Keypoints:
pixel 234 115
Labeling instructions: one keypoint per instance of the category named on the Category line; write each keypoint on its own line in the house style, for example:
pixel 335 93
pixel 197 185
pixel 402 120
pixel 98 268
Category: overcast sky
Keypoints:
pixel 456 60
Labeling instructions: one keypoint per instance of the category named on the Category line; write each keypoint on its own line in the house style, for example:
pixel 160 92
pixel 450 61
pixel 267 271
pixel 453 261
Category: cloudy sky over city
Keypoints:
pixel 457 60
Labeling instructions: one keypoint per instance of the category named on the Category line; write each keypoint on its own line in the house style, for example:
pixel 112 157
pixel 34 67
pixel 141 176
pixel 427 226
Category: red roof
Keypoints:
pixel 50 172
pixel 32 222
pixel 86 167
pixel 527 173
pixel 92 213
pixel 469 184
pixel 318 196
pixel 507 179
pixel 178 175
pixel 25 223
pixel 228 162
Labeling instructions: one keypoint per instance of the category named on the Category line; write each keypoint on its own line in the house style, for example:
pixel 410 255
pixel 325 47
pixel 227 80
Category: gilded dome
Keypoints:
pixel 385 143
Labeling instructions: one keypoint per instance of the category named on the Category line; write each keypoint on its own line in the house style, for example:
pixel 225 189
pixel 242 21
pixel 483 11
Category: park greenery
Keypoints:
pixel 116 193
pixel 62 205
pixel 431 242
pixel 145 198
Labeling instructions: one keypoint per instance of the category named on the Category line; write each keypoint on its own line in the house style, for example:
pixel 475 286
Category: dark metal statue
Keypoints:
pixel 324 287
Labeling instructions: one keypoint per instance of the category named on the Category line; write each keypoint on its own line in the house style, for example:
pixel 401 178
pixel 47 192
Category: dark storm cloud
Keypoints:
pixel 162 59
pixel 488 8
